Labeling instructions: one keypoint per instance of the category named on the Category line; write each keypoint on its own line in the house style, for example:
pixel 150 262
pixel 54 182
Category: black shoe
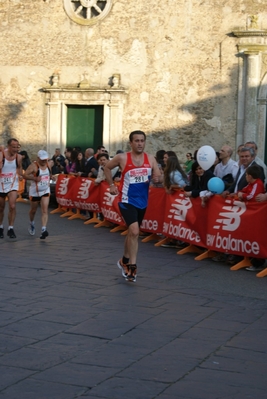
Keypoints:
pixel 11 233
pixel 1 232
pixel 43 235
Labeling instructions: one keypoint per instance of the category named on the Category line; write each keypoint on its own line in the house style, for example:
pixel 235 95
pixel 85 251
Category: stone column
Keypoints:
pixel 53 127
pixel 252 84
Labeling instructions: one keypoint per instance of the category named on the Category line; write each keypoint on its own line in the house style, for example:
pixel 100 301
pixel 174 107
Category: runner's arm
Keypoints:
pixel 30 173
pixel 116 161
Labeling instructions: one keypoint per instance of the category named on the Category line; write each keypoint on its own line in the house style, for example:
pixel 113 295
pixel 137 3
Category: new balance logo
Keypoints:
pixel 108 198
pixel 63 188
pixel 230 219
pixel 83 191
pixel 179 209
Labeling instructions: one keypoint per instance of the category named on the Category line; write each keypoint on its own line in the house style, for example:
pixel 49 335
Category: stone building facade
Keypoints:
pixel 187 72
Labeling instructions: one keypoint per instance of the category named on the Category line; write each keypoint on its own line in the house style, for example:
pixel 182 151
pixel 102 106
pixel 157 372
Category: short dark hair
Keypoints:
pixel 10 141
pixel 103 154
pixel 254 171
pixel 136 132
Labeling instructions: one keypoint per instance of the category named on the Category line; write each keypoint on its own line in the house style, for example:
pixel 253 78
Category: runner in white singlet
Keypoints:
pixel 39 192
pixel 10 174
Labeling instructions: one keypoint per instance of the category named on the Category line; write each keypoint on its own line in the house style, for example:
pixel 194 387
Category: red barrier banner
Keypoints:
pixel 77 192
pixel 185 219
pixel 154 216
pixel 237 227
pixel 109 205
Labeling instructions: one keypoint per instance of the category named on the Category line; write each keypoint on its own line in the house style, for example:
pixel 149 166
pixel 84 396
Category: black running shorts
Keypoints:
pixel 131 214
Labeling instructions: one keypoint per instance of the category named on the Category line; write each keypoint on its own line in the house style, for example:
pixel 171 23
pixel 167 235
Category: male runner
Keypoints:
pixel 39 192
pixel 137 168
pixel 10 174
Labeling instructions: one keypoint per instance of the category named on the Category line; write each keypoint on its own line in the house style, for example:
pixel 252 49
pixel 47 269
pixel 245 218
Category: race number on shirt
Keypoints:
pixel 7 178
pixel 138 175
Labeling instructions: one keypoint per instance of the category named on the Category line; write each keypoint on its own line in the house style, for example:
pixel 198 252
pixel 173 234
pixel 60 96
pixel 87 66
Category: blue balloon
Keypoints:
pixel 216 185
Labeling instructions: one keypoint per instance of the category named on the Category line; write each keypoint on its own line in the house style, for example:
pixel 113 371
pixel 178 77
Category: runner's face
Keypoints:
pixel 13 147
pixel 42 162
pixel 138 143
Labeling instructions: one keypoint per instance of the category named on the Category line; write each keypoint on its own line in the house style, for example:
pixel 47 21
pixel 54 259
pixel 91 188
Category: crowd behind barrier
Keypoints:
pixel 224 225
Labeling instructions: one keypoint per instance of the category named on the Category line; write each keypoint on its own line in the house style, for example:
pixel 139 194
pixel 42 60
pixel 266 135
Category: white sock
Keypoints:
pixel 43 228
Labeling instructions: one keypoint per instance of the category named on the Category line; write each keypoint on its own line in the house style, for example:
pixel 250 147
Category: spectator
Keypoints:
pixel 216 162
pixel 25 163
pixel 255 185
pixel 199 181
pixel 252 144
pixel 188 163
pixel 159 158
pixel 226 169
pixel 71 164
pixel 167 155
pixel 100 149
pixel 246 158
pixel 91 164
pixel 25 159
pixel 103 160
pixel 59 162
pixel 174 175
pixel 80 164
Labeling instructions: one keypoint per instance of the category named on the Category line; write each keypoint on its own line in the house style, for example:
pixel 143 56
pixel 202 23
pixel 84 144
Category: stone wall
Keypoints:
pixel 177 59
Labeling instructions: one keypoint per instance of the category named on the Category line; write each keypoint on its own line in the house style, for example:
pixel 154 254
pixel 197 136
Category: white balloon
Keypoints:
pixel 206 156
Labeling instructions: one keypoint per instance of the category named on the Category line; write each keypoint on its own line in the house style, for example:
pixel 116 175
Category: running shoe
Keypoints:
pixel 124 268
pixel 44 234
pixel 1 232
pixel 31 229
pixel 131 276
pixel 11 233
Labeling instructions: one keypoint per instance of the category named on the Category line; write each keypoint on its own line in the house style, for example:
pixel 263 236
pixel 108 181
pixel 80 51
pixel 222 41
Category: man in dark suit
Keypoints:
pixel 246 158
pixel 91 164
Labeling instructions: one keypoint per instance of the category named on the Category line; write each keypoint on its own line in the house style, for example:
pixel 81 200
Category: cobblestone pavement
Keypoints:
pixel 72 327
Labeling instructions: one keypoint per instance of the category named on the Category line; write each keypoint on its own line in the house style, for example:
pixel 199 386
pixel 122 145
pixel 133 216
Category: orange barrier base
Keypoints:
pixel 59 209
pixel 66 214
pixel 242 264
pixel 150 237
pixel 160 242
pixel 207 254
pixel 190 248
pixel 124 233
pixel 103 223
pixel 94 219
pixel 263 273
pixel 118 228
pixel 77 215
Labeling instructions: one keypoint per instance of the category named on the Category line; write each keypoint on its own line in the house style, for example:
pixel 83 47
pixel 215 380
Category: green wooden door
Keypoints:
pixel 84 126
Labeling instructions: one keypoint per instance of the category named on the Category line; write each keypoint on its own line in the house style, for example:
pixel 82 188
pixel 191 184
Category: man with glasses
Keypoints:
pixel 10 175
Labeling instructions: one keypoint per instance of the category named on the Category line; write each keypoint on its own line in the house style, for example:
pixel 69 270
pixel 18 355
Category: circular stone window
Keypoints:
pixel 87 12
